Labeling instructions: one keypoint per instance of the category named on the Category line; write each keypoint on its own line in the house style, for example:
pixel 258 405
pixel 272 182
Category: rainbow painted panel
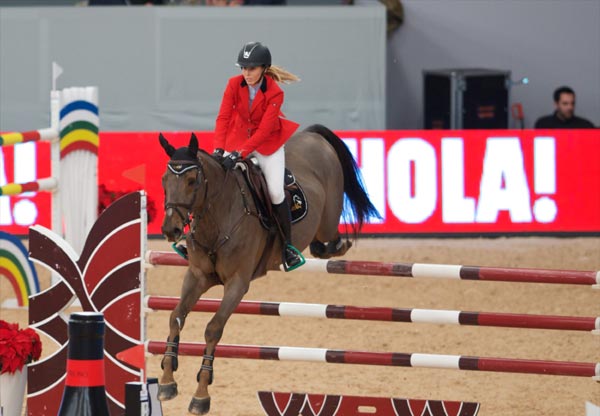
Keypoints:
pixel 16 267
pixel 79 125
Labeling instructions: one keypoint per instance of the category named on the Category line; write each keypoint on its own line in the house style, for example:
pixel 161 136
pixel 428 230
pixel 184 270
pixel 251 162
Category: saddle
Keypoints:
pixel 294 194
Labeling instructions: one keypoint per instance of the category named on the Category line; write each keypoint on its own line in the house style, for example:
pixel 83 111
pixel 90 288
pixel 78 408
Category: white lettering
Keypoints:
pixel 25 165
pixel 372 170
pixel 412 206
pixel 25 212
pixel 504 182
pixel 544 150
pixel 5 214
pixel 456 208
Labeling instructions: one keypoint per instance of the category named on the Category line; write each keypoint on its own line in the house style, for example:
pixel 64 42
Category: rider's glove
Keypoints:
pixel 230 160
pixel 218 154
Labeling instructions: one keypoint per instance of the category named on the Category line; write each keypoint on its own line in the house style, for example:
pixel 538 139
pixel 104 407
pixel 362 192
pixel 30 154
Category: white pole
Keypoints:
pixel 55 157
pixel 142 276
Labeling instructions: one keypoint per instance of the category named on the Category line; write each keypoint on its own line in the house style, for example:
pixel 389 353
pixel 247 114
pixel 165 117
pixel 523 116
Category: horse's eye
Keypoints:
pixel 191 181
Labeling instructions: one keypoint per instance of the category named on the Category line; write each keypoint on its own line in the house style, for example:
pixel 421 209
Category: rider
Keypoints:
pixel 250 123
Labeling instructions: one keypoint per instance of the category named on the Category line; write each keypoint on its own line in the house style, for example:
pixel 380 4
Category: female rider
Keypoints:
pixel 250 123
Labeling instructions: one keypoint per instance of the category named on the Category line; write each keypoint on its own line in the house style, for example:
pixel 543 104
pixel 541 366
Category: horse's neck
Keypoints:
pixel 223 203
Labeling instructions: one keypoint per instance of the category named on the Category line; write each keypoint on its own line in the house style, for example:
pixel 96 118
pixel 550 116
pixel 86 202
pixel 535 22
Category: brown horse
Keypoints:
pixel 228 245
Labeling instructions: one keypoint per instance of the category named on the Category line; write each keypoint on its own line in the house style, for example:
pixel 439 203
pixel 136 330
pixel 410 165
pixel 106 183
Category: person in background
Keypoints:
pixel 250 123
pixel 564 116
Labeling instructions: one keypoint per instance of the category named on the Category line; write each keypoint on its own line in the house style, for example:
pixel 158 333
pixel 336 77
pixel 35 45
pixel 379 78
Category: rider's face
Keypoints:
pixel 252 74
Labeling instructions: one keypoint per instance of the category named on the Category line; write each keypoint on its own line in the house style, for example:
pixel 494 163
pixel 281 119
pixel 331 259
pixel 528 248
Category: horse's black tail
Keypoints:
pixel 357 206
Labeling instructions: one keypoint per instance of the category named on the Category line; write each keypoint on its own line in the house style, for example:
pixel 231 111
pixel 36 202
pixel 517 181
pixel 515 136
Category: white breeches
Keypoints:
pixel 273 167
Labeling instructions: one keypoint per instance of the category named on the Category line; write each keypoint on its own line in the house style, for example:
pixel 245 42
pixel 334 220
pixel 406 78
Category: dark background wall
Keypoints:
pixel 165 67
pixel 552 42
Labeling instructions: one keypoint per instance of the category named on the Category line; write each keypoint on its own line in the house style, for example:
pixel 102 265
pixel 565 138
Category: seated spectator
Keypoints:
pixel 564 117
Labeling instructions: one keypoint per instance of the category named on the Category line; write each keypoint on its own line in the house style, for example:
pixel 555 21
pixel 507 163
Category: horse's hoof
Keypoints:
pixel 199 406
pixel 167 391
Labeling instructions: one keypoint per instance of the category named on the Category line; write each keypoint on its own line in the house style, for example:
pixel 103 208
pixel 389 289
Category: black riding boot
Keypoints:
pixel 291 257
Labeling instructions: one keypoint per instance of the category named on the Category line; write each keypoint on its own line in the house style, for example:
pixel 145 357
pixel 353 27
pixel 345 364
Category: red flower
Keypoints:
pixel 108 196
pixel 17 347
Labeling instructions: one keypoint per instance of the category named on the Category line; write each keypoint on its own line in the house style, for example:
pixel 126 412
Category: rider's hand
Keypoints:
pixel 218 154
pixel 230 160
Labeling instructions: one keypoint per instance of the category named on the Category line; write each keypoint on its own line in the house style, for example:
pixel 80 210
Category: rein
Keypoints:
pixel 190 218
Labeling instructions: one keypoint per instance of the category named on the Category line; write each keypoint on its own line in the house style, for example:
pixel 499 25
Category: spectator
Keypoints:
pixel 564 117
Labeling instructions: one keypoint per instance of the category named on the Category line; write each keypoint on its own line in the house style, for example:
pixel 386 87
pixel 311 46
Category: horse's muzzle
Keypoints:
pixel 173 234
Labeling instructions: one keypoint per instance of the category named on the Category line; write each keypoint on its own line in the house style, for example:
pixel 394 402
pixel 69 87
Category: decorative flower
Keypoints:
pixel 108 196
pixel 18 347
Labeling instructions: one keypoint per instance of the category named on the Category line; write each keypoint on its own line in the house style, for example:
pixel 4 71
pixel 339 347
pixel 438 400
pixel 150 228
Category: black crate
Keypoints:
pixel 466 99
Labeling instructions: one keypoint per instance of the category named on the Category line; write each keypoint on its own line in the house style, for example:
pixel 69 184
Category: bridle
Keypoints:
pixel 179 167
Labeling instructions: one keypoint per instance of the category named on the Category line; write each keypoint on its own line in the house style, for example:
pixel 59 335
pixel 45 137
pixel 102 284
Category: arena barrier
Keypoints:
pixel 430 316
pixel 109 276
pixel 417 270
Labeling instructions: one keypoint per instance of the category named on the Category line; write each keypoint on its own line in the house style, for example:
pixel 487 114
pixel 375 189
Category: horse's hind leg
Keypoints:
pixel 235 290
pixel 333 248
pixel 191 290
pixel 328 242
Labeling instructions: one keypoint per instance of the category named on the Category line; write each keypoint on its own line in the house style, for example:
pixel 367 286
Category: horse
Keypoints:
pixel 226 242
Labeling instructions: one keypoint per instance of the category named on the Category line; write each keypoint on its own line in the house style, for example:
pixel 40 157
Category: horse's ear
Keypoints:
pixel 193 146
pixel 165 145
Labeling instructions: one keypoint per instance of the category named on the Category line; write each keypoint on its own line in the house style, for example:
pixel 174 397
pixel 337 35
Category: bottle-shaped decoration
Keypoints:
pixel 84 393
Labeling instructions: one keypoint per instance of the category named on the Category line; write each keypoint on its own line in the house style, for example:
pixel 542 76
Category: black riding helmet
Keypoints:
pixel 254 54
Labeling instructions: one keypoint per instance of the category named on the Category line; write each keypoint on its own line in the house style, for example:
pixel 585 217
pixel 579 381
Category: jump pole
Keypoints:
pixel 438 361
pixel 420 270
pixel 432 316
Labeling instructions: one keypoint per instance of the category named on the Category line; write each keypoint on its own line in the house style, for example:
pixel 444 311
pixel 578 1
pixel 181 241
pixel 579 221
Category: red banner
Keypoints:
pixel 422 182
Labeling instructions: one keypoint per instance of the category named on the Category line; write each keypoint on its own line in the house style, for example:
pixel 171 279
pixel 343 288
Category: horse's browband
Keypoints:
pixel 180 167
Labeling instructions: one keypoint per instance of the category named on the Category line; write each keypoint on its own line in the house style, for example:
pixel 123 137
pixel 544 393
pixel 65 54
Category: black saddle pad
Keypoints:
pixel 295 196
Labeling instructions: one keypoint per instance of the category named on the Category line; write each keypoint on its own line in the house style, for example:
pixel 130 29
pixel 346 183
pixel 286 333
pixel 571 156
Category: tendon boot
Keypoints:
pixel 291 257
pixel 180 249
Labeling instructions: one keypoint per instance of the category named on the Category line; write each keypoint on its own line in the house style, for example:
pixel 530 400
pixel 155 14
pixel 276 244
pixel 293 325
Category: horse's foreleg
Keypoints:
pixel 191 291
pixel 235 290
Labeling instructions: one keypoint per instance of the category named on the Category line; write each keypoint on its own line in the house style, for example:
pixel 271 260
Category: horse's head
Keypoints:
pixel 182 183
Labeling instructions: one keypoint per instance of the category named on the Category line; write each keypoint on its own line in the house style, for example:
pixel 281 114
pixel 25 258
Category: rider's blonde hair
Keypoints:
pixel 281 75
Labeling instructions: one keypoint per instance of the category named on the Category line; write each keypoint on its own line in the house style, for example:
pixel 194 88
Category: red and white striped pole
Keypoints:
pixel 440 361
pixel 434 316
pixel 420 270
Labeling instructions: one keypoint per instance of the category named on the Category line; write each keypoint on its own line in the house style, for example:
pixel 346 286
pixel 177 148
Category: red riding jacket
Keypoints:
pixel 261 128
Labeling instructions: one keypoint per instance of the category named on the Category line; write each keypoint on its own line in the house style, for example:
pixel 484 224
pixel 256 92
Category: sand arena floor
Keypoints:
pixel 237 381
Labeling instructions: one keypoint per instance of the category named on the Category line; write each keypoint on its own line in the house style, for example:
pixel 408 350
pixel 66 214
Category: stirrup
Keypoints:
pixel 180 249
pixel 287 267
